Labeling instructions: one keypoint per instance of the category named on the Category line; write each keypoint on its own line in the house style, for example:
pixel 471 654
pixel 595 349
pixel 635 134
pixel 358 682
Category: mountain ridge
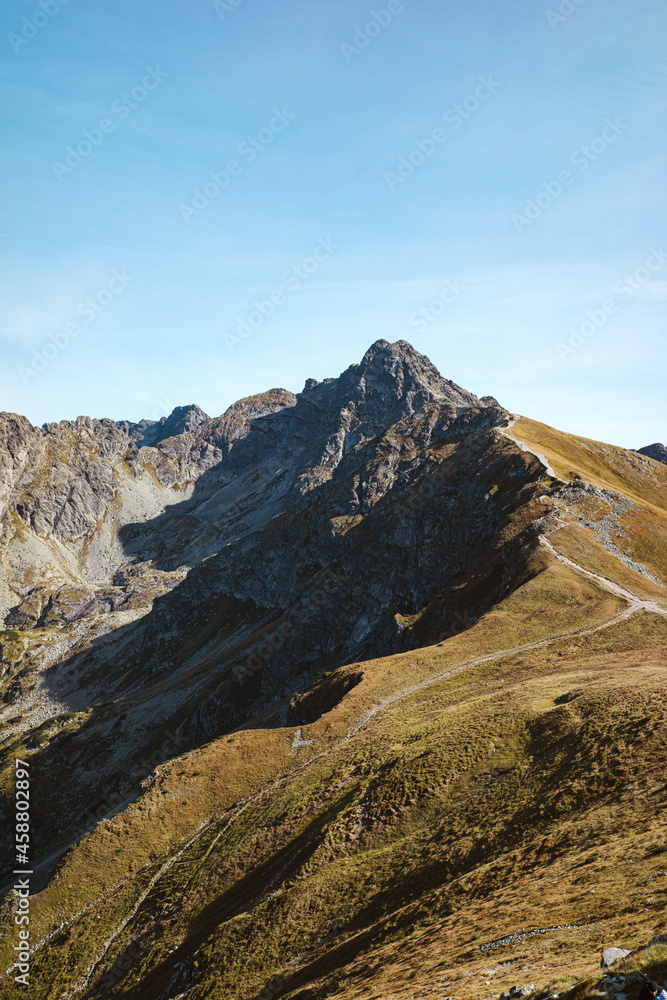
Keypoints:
pixel 296 679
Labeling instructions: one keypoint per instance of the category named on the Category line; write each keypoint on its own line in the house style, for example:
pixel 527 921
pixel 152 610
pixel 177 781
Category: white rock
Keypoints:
pixel 611 955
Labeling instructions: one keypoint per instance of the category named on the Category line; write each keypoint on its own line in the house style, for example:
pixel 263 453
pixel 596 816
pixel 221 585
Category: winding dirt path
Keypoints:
pixel 635 603
pixel 524 447
pixel 613 588
pixel 84 980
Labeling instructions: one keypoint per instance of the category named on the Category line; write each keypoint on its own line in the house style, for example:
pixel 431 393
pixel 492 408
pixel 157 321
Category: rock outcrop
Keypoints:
pixel 69 490
pixel 657 451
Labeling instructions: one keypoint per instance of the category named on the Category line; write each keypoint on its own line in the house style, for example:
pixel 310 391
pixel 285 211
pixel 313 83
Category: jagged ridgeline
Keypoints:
pixel 354 692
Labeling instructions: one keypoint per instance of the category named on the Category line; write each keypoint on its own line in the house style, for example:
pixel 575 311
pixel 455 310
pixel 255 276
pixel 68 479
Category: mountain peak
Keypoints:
pixel 413 375
pixel 656 451
pixel 383 351
pixel 185 418
pixel 181 420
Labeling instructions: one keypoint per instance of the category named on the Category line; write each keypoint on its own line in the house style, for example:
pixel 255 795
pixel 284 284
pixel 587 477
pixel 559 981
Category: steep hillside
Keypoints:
pixel 380 714
pixel 295 549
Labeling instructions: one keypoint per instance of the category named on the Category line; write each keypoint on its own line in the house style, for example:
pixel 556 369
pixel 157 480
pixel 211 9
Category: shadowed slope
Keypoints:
pixel 431 688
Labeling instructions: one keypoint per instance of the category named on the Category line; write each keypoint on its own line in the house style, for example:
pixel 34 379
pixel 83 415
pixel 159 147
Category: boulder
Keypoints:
pixel 611 955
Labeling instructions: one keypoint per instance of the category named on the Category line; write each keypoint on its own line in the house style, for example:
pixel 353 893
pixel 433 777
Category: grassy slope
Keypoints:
pixel 460 814
pixel 604 465
pixel 466 811
pixel 641 531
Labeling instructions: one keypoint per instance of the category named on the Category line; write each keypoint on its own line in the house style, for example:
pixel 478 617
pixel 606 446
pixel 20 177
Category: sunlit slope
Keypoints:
pixel 619 526
pixel 605 465
pixel 454 796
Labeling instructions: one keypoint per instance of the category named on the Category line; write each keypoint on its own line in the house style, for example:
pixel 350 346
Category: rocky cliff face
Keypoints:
pixel 195 572
pixel 68 491
pixel 656 451
pixel 83 500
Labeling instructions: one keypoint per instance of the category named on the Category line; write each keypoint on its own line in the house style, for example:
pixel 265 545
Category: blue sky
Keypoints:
pixel 393 172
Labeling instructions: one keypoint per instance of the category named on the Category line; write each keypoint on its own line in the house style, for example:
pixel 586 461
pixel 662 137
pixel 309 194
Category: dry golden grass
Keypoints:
pixel 605 465
pixel 507 779
pixel 401 847
pixel 578 545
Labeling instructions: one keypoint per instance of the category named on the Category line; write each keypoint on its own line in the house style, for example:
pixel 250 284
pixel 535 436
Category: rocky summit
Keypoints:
pixel 656 451
pixel 357 692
